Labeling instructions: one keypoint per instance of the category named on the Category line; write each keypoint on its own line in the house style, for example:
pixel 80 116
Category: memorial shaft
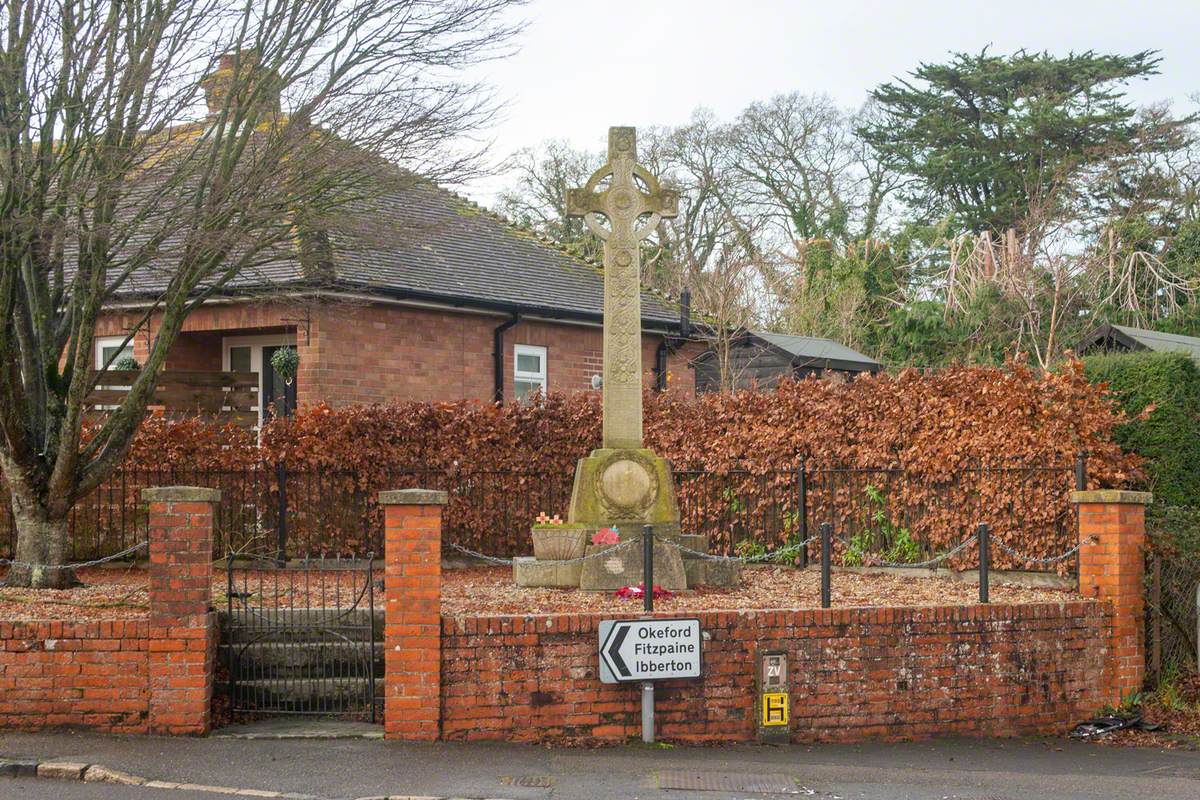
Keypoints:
pixel 623 203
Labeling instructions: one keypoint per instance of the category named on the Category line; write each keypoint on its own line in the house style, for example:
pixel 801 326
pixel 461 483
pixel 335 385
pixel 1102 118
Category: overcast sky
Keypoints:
pixel 584 65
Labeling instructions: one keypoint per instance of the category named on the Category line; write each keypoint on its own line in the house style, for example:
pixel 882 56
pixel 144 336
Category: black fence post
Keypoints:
pixel 1081 471
pixel 648 567
pixel 985 560
pixel 371 628
pixel 281 526
pixel 826 563
pixel 802 511
pixel 231 652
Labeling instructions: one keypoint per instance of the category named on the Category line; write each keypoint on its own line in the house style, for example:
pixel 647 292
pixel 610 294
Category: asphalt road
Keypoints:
pixel 944 770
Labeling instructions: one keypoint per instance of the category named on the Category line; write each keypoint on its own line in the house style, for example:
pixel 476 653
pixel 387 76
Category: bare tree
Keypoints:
pixel 803 165
pixel 176 149
pixel 726 291
pixel 696 160
pixel 537 198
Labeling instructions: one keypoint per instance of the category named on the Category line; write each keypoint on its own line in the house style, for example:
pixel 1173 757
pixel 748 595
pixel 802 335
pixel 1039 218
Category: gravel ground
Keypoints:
pixel 491 591
pixel 121 594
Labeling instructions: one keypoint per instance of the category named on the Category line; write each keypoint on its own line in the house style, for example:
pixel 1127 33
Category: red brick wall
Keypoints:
pixel 856 674
pixel 378 353
pixel 86 674
pixel 146 675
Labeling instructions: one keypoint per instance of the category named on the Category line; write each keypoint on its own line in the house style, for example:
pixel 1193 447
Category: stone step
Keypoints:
pixel 300 625
pixel 306 695
pixel 273 659
pixel 713 574
pixel 304 616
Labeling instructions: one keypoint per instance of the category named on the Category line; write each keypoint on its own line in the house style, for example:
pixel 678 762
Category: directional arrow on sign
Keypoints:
pixel 616 638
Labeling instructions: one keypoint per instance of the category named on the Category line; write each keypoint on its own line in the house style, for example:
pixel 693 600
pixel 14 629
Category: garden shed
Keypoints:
pixel 1124 339
pixel 760 359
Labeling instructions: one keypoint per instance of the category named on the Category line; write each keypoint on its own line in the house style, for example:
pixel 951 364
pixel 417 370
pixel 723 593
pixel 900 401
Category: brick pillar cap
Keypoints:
pixel 181 494
pixel 412 497
pixel 1111 496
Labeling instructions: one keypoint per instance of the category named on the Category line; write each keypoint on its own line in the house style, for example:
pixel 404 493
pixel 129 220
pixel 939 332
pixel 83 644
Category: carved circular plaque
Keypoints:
pixel 625 482
pixel 624 259
pixel 623 200
pixel 627 485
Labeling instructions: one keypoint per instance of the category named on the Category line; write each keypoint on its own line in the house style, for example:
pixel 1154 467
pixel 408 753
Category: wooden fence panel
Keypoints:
pixel 222 397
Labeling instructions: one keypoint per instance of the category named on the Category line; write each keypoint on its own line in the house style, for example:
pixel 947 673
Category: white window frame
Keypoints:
pixel 256 344
pixel 109 341
pixel 541 378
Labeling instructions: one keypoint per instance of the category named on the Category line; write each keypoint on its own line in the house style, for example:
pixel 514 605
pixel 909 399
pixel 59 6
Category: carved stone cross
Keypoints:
pixel 632 196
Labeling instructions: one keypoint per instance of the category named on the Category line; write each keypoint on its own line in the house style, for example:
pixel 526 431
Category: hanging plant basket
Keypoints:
pixel 286 361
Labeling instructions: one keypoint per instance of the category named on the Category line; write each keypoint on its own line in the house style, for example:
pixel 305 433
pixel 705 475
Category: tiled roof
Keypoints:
pixel 432 243
pixel 416 240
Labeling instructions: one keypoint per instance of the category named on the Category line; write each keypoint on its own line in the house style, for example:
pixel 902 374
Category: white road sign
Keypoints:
pixel 649 649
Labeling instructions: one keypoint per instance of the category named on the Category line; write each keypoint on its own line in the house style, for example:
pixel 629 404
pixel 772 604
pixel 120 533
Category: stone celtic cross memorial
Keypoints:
pixel 622 484
pixel 624 204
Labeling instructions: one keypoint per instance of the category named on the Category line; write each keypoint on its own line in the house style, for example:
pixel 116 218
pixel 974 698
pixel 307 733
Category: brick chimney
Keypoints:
pixel 218 84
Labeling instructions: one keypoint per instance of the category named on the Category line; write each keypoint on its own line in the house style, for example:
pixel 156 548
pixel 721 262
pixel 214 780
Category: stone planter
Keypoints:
pixel 559 543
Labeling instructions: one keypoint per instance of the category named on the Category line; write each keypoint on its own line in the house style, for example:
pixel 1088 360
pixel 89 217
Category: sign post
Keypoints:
pixel 648 650
pixel 648 605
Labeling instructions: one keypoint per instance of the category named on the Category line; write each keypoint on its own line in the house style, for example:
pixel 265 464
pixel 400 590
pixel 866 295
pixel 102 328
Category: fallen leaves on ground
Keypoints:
pixel 122 594
pixel 105 594
pixel 1177 711
pixel 490 590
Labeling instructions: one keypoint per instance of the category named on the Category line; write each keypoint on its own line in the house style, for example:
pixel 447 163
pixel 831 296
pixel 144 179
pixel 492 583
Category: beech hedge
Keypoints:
pixel 948 449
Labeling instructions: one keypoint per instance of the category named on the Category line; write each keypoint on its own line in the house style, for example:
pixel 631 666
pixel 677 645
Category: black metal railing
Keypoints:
pixel 879 514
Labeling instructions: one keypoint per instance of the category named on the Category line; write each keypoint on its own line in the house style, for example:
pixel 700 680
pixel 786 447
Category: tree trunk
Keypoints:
pixel 41 544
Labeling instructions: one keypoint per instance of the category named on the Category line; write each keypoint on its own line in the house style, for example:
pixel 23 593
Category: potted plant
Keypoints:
pixel 555 540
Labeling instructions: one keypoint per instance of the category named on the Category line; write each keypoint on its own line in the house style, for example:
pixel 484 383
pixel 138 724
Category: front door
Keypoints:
pixel 253 354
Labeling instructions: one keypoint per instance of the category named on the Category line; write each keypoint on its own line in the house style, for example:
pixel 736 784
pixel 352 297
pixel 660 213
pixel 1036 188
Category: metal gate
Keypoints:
pixel 303 637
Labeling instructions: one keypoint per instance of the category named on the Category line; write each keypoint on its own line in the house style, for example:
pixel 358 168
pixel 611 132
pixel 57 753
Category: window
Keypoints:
pixel 240 359
pixel 110 347
pixel 529 373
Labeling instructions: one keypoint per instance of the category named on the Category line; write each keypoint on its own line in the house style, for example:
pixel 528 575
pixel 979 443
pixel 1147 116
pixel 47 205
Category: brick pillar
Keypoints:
pixel 1112 533
pixel 181 622
pixel 412 631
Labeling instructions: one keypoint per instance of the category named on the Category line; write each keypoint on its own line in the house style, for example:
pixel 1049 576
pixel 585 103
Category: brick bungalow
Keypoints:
pixel 442 300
